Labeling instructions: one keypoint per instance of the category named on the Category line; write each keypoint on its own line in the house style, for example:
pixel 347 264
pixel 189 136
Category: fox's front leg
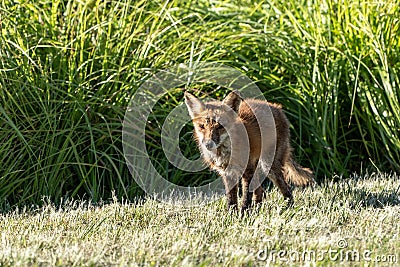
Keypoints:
pixel 247 195
pixel 231 198
pixel 231 189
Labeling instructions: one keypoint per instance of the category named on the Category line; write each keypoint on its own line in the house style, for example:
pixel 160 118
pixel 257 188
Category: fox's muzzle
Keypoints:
pixel 210 144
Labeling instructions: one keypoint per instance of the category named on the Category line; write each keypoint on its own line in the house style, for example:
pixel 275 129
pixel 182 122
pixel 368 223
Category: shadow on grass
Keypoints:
pixel 365 198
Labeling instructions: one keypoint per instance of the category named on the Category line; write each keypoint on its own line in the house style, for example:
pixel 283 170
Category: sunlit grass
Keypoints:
pixel 358 214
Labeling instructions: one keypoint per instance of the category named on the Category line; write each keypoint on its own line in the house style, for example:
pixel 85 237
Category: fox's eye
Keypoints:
pixel 201 126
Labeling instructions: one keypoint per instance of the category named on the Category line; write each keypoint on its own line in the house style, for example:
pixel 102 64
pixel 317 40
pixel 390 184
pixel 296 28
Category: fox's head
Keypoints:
pixel 212 120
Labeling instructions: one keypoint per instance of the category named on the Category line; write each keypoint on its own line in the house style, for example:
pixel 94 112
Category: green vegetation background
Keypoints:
pixel 69 68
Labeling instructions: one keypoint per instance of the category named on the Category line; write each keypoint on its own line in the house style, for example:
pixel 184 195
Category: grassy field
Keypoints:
pixel 352 221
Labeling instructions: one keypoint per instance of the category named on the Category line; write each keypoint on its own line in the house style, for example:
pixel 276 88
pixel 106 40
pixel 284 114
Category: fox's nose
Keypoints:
pixel 210 145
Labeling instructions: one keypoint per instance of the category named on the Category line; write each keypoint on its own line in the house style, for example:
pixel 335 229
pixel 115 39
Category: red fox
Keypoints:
pixel 223 143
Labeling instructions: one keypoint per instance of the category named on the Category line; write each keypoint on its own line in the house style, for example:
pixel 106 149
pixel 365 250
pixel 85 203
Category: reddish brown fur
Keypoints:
pixel 213 121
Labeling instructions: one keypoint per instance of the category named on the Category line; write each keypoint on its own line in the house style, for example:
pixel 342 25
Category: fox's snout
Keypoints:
pixel 212 138
pixel 210 144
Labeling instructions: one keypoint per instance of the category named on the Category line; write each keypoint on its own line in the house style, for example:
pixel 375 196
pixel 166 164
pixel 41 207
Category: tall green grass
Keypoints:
pixel 69 68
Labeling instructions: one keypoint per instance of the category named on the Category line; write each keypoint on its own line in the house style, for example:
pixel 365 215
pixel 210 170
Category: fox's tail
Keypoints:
pixel 296 174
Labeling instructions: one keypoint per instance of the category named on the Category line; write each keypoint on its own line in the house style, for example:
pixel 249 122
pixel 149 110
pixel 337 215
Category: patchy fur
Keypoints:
pixel 229 139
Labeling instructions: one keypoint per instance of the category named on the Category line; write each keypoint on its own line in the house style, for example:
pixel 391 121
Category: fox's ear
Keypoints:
pixel 233 100
pixel 194 105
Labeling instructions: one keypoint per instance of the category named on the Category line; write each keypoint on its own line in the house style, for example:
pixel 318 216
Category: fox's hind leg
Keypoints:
pixel 256 187
pixel 276 176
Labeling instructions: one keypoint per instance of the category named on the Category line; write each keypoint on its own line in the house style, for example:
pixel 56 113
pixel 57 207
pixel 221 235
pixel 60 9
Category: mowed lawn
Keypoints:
pixel 353 220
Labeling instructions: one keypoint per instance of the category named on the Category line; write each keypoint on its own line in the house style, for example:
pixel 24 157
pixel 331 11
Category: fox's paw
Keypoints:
pixel 232 207
pixel 244 209
pixel 247 209
pixel 289 202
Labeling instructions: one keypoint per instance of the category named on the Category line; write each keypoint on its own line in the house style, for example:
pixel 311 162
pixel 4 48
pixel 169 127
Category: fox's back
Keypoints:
pixel 252 109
